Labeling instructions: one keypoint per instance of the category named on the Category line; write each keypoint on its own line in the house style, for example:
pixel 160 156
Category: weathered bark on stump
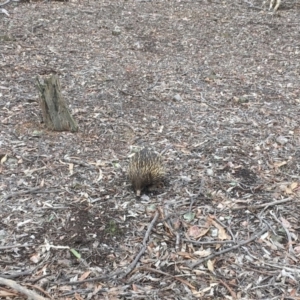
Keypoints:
pixel 55 112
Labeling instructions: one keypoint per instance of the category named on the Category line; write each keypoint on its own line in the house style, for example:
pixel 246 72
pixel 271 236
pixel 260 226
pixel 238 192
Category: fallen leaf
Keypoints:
pixel 3 159
pixel 285 223
pixel 294 185
pixel 185 255
pixel 189 216
pixel 202 253
pixel 84 275
pixel 75 253
pixel 222 235
pixel 35 258
pixel 210 266
pixel 280 164
pixel 71 168
pixel 78 297
pixel 193 231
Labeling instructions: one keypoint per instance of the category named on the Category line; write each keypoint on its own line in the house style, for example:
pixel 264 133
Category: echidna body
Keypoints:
pixel 145 169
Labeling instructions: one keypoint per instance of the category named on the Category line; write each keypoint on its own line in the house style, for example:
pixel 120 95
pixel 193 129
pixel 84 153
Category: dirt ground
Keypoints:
pixel 213 86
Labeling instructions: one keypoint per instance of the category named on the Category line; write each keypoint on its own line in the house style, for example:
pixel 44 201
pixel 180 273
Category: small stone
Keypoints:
pixel 210 172
pixel 282 140
pixel 116 31
pixel 177 97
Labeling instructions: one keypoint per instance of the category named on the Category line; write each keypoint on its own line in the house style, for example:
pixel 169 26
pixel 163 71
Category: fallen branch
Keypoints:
pixel 133 264
pixel 256 235
pixel 15 286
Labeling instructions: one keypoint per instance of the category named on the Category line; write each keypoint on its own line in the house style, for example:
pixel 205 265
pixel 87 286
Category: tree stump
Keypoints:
pixel 56 114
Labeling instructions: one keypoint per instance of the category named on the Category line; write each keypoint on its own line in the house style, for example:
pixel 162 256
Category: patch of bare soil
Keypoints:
pixel 214 86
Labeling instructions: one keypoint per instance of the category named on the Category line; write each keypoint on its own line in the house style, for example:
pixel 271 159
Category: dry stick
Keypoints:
pixel 203 100
pixel 282 267
pixel 79 162
pixel 105 277
pixel 208 243
pixel 33 191
pixel 227 227
pixel 30 294
pixel 233 294
pixel 18 274
pixel 133 264
pixel 13 246
pixel 262 205
pixel 129 268
pixel 40 289
pixel 192 265
pixel 169 275
pixel 291 250
pixel 267 286
pixel 197 195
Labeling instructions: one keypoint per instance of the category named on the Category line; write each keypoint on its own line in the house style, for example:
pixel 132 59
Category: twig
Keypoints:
pixel 262 205
pixel 154 84
pixel 227 227
pixel 256 235
pixel 282 267
pixel 35 280
pixel 143 249
pixel 129 94
pixel 99 278
pixel 166 274
pixel 266 286
pixel 291 250
pixel 208 243
pixel 233 294
pixel 197 195
pixel 40 289
pixel 30 294
pixel 33 190
pixel 18 274
pixel 205 102
pixel 13 246
pixel 78 162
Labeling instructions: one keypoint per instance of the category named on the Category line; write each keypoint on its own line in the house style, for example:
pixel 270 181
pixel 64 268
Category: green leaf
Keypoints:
pixel 75 253
pixel 189 216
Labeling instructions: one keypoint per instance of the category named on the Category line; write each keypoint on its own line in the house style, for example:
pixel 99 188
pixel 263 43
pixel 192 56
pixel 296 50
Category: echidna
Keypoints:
pixel 145 169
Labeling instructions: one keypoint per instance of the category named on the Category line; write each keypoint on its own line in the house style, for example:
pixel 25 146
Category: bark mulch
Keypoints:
pixel 214 86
